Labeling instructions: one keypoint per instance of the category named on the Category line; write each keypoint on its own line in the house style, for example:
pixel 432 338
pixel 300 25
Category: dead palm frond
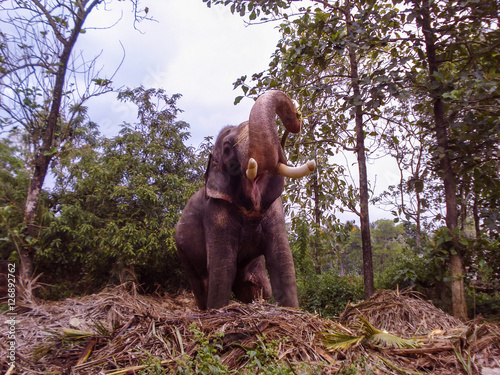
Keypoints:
pixel 385 339
pixel 72 334
pixel 117 331
pixel 336 339
pixel 58 337
pixel 25 289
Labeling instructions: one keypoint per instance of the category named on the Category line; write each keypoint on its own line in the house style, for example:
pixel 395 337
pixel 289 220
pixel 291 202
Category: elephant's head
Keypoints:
pixel 247 164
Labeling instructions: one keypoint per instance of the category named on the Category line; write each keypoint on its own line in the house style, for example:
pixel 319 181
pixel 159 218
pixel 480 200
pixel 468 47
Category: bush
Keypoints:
pixel 116 204
pixel 329 293
pixel 485 304
pixel 410 271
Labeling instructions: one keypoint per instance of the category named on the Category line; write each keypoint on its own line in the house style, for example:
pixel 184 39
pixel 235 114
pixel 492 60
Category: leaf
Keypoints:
pixel 336 340
pixel 75 322
pixel 385 339
pixel 102 82
pixel 51 152
pixel 467 366
pixel 74 334
pixel 403 371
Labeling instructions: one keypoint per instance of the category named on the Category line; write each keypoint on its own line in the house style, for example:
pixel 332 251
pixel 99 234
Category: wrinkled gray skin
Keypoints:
pixel 233 229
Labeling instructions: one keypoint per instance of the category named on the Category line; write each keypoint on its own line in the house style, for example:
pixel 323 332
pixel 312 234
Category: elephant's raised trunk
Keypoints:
pixel 264 149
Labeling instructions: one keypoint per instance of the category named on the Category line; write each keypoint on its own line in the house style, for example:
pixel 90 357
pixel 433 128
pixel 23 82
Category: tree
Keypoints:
pixel 40 74
pixel 117 204
pixel 361 156
pixel 332 58
pixel 417 196
pixel 458 39
pixel 441 134
pixel 389 243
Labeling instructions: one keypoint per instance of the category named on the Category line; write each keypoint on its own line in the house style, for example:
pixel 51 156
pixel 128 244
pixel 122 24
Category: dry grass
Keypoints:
pixel 446 345
pixel 119 331
pixel 405 313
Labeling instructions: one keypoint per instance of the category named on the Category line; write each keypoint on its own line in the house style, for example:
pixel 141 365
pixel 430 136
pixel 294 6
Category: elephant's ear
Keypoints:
pixel 216 180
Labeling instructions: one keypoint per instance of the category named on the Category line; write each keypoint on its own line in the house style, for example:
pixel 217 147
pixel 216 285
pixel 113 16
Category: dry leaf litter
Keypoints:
pixel 119 330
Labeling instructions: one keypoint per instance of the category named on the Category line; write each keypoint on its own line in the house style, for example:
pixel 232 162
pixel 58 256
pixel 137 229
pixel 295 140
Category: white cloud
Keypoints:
pixel 192 50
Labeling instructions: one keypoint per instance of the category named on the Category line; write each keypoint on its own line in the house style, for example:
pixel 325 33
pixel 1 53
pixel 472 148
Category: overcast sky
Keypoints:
pixel 193 50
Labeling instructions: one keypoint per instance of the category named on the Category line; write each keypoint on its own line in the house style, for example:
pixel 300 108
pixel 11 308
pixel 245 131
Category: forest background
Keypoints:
pixel 414 81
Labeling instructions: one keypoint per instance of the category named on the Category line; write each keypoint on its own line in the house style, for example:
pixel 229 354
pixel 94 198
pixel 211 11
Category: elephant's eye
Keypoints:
pixel 227 149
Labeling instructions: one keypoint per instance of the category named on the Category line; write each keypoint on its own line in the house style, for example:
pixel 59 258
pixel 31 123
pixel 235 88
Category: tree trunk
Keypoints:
pixel 317 219
pixel 475 212
pixel 364 217
pixel 418 221
pixel 450 188
pixel 364 212
pixel 44 155
pixel 26 254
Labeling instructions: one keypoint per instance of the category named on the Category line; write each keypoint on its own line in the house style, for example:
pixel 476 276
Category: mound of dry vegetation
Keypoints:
pixel 119 331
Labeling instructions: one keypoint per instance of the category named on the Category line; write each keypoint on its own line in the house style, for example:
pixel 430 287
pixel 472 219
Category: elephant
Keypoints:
pixel 233 229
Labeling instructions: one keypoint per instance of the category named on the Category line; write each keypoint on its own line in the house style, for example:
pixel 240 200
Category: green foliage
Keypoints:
pixel 412 270
pixel 483 259
pixel 207 360
pixel 316 249
pixel 116 206
pixel 388 243
pixel 358 367
pixel 329 261
pixel 254 8
pixel 262 358
pixel 351 256
pixel 14 182
pixel 300 243
pixel 154 367
pixel 320 290
pixel 483 302
pixel 329 293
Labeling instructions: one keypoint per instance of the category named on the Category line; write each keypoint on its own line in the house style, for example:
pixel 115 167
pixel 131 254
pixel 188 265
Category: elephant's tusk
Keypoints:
pixel 296 172
pixel 252 169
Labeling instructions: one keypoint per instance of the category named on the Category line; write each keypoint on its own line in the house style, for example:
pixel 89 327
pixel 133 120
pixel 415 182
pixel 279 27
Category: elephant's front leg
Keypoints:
pixel 279 258
pixel 221 274
pixel 222 236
